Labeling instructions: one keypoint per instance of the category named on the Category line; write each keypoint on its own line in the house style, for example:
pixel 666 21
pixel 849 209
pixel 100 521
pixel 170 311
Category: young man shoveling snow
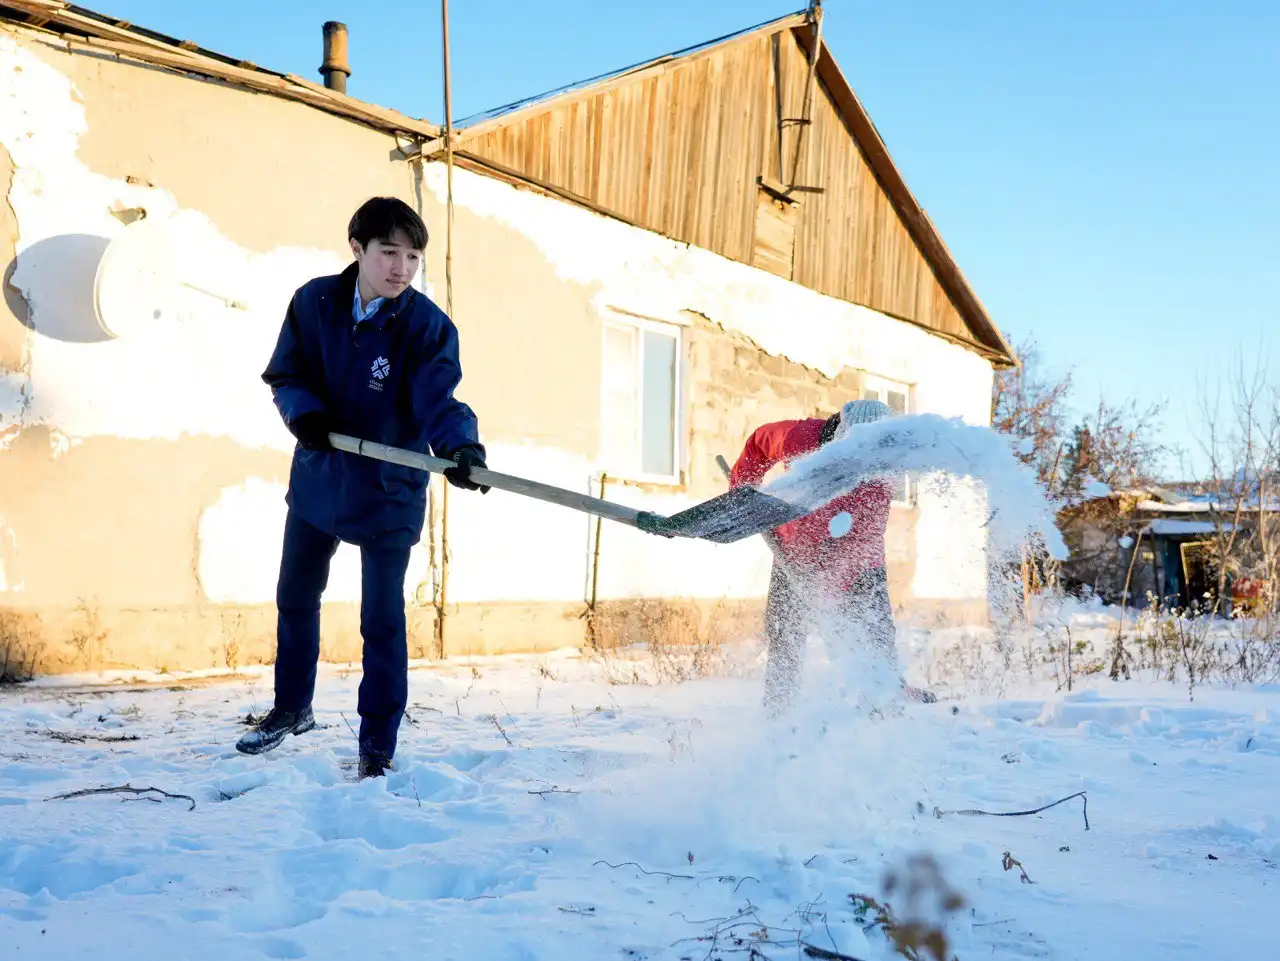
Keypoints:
pixel 829 566
pixel 361 353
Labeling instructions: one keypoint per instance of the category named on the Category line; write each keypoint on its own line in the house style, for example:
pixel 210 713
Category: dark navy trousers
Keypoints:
pixel 304 572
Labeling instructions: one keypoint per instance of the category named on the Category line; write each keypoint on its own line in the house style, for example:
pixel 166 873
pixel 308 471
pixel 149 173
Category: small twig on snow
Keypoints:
pixel 716 921
pixel 726 878
pixel 727 935
pixel 514 723
pixel 125 789
pixel 1009 862
pixel 414 784
pixel 457 701
pixel 665 874
pixel 938 812
pixel 67 738
pixel 813 951
pixel 498 725
pixel 554 790
pixel 349 727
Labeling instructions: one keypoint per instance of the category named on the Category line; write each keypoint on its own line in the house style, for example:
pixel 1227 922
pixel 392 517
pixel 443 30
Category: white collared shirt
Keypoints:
pixel 370 308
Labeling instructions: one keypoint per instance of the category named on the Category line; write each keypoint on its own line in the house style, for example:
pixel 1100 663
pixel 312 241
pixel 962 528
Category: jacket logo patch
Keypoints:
pixel 381 369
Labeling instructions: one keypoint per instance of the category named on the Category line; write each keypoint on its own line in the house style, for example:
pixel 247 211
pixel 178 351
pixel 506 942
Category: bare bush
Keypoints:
pixel 19 647
pixel 1030 405
pixel 87 636
pixel 973 663
pixel 1068 645
pixel 1250 650
pixel 663 642
pixel 1192 644
pixel 1240 440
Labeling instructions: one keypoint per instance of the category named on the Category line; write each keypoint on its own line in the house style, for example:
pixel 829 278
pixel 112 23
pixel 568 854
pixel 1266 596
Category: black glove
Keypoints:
pixel 460 476
pixel 829 428
pixel 312 430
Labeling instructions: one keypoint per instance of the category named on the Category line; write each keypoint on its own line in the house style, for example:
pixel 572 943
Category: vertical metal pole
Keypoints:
pixel 815 11
pixel 443 593
pixel 593 635
pixel 448 165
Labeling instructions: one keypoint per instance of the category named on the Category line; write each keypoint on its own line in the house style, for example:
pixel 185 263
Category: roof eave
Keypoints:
pixel 921 228
pixel 80 25
pixel 591 89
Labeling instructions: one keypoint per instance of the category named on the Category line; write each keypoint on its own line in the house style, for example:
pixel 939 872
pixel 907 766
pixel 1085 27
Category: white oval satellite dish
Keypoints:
pixel 137 278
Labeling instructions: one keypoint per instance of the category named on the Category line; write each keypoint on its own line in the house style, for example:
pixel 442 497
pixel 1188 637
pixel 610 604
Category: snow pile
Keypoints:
pixel 537 812
pixel 933 445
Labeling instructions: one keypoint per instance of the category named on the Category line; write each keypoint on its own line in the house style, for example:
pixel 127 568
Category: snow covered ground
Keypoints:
pixel 690 811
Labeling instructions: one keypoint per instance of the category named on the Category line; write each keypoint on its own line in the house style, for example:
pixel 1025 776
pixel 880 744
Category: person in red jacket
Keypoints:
pixel 829 566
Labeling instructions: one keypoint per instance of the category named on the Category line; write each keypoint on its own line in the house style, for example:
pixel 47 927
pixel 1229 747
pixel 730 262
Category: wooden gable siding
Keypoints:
pixel 679 147
pixel 850 241
pixel 676 149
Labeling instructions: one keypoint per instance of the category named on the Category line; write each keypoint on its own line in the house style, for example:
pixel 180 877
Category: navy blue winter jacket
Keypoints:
pixel 389 379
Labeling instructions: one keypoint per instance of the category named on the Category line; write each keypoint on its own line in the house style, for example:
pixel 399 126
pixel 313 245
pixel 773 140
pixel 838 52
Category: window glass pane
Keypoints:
pixel 897 402
pixel 869 394
pixel 658 455
pixel 618 421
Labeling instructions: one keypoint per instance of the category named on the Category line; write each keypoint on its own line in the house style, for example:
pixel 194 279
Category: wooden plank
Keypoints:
pixel 640 71
pixel 775 235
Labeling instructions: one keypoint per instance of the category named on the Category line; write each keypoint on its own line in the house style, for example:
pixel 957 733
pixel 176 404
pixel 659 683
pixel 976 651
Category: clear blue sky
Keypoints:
pixel 1106 172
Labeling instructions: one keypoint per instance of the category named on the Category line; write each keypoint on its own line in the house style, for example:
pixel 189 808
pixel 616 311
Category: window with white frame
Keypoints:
pixel 640 402
pixel 897 396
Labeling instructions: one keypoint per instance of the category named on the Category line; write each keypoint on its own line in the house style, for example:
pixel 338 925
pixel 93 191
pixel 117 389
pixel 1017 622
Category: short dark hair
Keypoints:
pixel 380 217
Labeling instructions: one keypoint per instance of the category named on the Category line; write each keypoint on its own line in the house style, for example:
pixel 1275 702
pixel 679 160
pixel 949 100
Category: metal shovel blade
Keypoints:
pixel 733 516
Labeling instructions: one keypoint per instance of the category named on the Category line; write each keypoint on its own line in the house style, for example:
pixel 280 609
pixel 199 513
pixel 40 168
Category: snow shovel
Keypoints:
pixel 733 516
pixel 769 538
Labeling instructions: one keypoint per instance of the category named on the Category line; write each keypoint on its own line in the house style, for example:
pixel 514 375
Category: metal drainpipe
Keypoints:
pixel 442 596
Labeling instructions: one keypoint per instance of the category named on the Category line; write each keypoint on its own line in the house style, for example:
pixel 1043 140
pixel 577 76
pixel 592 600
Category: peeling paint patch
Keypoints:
pixel 185 362
pixel 240 538
pixel 10 571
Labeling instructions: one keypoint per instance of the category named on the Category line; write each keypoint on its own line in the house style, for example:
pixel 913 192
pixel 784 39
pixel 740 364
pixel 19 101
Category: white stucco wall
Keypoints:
pixel 203 359
pixel 644 273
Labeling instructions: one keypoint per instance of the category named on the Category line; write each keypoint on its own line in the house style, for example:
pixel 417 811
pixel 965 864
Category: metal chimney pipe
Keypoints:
pixel 335 67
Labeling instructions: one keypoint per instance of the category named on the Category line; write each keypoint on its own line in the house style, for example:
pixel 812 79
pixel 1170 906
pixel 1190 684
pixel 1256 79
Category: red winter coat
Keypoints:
pixel 806 544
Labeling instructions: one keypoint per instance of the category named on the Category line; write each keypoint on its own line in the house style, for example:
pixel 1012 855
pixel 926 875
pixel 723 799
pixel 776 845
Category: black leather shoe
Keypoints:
pixel 274 728
pixel 373 764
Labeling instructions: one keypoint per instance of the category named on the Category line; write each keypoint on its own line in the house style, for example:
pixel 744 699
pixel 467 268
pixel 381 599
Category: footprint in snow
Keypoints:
pixel 281 948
